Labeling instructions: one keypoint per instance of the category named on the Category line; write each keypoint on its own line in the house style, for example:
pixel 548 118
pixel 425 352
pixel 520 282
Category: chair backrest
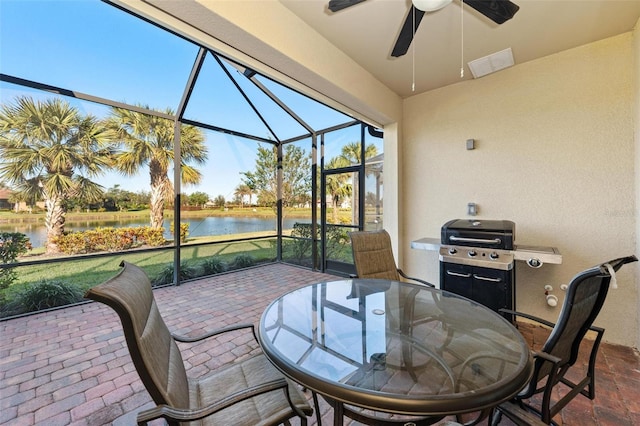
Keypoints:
pixel 584 299
pixel 373 255
pixel 153 350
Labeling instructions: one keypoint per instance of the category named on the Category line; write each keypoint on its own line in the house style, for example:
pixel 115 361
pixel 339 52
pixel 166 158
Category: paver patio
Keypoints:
pixel 71 366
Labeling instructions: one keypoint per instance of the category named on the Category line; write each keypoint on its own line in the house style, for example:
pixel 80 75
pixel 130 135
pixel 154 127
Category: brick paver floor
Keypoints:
pixel 71 366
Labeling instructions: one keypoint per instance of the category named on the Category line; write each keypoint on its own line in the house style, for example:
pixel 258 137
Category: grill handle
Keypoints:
pixel 457 274
pixel 481 278
pixel 475 240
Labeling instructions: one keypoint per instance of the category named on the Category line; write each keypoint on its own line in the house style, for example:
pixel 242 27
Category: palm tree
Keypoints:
pixel 49 151
pixel 241 191
pixel 351 152
pixel 337 185
pixel 351 155
pixel 148 141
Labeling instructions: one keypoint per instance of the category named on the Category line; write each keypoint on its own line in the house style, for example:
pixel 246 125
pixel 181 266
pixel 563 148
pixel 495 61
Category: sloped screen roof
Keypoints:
pixel 93 48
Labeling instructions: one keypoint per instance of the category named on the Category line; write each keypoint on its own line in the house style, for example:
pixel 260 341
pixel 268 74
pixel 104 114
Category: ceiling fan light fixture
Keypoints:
pixel 430 5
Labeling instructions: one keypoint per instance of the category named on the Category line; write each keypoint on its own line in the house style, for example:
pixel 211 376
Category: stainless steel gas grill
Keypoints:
pixel 477 260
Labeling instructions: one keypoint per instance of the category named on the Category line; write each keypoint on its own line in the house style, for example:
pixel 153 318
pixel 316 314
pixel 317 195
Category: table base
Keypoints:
pixel 340 411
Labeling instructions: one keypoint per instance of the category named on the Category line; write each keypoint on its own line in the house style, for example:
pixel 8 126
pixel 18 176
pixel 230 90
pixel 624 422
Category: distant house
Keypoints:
pixel 5 204
pixel 4 199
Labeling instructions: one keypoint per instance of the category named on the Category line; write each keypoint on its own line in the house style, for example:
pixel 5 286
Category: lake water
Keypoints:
pixel 198 227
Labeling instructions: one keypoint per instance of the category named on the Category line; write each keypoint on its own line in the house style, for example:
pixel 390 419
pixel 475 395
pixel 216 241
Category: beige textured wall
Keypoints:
pixel 636 67
pixel 555 154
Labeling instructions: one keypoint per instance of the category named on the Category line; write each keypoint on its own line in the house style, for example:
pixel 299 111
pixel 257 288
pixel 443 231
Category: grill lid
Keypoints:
pixel 497 234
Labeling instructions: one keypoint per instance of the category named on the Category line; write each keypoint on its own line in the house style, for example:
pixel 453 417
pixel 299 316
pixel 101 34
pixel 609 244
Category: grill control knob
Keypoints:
pixel 494 255
pixel 472 253
pixel 452 251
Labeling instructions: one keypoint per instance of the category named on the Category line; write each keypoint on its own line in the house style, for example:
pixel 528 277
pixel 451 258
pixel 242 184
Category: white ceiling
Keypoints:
pixel 367 32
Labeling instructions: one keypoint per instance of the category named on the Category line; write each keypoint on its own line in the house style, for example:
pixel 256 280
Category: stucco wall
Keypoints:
pixel 636 67
pixel 555 154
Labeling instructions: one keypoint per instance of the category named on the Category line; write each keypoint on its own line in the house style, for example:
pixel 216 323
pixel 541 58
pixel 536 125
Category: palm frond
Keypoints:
pixel 85 188
pixel 57 184
pixel 190 175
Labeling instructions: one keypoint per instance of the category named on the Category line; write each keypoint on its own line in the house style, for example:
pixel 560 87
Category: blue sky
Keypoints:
pixel 94 48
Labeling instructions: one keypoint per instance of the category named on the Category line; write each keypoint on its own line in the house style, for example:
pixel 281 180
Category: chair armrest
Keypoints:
pixel 547 357
pixel 598 330
pixel 531 317
pixel 185 415
pixel 403 275
pixel 186 339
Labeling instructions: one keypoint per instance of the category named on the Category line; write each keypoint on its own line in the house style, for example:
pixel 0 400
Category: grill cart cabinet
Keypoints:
pixel 490 287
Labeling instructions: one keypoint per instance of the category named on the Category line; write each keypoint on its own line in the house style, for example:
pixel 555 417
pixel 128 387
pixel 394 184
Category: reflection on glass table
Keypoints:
pixel 385 352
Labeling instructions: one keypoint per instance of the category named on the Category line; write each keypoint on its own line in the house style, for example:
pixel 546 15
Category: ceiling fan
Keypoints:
pixel 499 11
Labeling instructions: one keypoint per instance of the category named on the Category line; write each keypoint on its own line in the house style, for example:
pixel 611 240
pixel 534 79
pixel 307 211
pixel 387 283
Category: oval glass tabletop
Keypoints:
pixel 395 347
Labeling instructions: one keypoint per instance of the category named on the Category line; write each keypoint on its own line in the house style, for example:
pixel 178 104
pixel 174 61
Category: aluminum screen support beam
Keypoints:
pixel 83 96
pixel 246 98
pixel 279 206
pixel 177 160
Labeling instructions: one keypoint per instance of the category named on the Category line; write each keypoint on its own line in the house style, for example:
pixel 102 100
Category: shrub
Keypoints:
pixel 337 240
pixel 108 239
pixel 12 245
pixel 7 277
pixel 243 261
pixel 187 272
pixel 298 250
pixel 214 265
pixel 153 237
pixel 111 239
pixel 72 243
pixel 44 294
pixel 184 231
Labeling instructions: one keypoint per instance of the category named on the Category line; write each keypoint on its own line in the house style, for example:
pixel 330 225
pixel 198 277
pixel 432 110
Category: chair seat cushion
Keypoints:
pixel 265 409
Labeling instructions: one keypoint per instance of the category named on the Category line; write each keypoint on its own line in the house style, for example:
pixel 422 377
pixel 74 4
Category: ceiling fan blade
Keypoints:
pixel 406 32
pixel 498 11
pixel 336 5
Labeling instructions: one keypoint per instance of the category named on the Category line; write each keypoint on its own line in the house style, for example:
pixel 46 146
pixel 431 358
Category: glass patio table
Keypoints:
pixel 386 352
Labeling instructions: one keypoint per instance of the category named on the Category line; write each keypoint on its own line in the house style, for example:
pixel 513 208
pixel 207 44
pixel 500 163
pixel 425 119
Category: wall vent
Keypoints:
pixel 491 63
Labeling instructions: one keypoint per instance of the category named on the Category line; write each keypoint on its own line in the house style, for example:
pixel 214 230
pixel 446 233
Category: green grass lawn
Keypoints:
pixel 89 272
pixel 85 273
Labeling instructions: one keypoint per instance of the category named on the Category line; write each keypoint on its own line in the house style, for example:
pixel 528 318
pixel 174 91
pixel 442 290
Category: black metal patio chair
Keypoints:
pixel 373 257
pixel 249 392
pixel 585 297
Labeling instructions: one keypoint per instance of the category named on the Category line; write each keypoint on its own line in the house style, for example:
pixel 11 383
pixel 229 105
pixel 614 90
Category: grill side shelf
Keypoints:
pixel 543 254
